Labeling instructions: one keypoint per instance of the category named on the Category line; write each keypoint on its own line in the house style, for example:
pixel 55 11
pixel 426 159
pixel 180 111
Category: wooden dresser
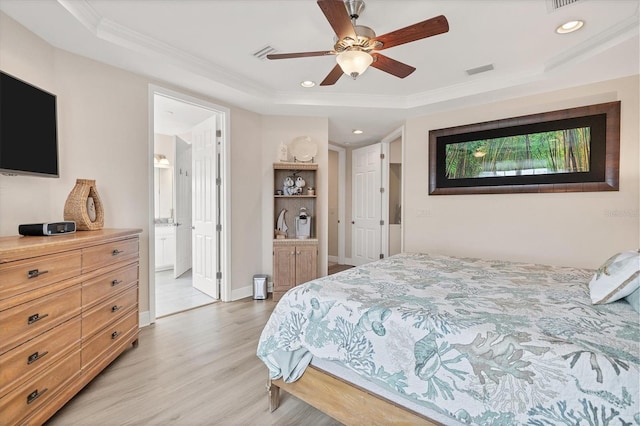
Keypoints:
pixel 68 308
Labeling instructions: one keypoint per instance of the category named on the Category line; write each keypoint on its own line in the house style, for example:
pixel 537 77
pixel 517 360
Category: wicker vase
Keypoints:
pixel 76 208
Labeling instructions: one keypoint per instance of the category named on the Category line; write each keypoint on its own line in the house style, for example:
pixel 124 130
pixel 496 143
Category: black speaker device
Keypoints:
pixel 46 229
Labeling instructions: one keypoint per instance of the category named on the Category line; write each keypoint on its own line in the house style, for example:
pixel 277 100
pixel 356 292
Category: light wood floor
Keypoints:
pixel 198 367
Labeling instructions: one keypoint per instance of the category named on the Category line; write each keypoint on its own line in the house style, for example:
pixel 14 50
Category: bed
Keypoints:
pixel 419 338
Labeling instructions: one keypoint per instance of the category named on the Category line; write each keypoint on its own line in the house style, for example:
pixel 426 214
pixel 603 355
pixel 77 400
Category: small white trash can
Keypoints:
pixel 260 287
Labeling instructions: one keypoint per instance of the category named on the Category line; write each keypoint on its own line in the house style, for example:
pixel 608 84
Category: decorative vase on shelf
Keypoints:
pixel 84 207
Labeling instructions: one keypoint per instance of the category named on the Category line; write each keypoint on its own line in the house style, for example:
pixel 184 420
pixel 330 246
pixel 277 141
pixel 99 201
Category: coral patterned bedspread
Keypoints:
pixel 475 341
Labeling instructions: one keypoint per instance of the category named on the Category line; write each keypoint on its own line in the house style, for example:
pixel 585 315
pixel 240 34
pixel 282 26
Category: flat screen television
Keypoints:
pixel 28 129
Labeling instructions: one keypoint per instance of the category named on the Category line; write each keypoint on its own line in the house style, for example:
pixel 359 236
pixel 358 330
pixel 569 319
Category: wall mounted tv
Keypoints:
pixel 28 129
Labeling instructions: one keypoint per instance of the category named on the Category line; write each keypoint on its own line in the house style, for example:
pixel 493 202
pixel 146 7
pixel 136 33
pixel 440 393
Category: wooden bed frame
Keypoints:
pixel 344 401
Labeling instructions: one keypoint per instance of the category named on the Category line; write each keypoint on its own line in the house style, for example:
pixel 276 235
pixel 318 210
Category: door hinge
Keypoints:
pixel 219 133
pixel 381 190
pixel 382 156
pixel 381 256
pixel 218 227
pixel 218 275
pixel 381 222
pixel 218 181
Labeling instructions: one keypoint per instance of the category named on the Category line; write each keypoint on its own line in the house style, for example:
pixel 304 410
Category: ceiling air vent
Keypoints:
pixel 263 52
pixel 478 70
pixel 557 4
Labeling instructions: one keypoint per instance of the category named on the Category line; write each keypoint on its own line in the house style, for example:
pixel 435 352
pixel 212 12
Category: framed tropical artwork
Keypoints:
pixel 572 150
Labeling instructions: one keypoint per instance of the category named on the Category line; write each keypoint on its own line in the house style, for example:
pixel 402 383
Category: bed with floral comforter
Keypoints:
pixel 471 341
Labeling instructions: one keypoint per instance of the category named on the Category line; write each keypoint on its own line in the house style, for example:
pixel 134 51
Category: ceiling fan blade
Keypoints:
pixel 333 76
pixel 299 55
pixel 336 13
pixel 424 29
pixel 386 64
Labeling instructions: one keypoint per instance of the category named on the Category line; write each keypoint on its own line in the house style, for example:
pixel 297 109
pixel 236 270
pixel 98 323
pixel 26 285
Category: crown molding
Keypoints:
pixel 123 36
pixel 84 13
pixel 259 98
pixel 597 44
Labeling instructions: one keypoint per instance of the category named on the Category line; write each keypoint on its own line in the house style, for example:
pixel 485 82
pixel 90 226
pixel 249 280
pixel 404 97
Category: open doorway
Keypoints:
pixel 376 216
pixel 336 200
pixel 188 196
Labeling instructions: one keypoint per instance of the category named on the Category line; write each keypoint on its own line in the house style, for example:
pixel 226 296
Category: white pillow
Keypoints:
pixel 618 277
pixel 634 300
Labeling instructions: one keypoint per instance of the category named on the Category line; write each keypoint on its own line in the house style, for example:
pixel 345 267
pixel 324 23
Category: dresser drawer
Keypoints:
pixel 34 356
pixel 103 341
pixel 33 274
pixel 28 397
pixel 109 284
pixel 109 311
pixel 26 321
pixel 107 254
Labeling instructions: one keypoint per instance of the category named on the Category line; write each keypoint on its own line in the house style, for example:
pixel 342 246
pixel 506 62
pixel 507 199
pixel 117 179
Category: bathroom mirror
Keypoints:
pixel 163 188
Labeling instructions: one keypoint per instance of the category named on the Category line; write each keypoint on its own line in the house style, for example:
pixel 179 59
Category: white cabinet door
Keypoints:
pixel 159 253
pixel 165 247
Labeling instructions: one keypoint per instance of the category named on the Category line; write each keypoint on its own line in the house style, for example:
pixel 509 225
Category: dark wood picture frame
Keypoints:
pixel 603 120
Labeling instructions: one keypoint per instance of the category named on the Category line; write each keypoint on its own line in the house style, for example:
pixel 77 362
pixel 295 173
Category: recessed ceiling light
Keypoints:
pixel 569 27
pixel 308 83
pixel 358 131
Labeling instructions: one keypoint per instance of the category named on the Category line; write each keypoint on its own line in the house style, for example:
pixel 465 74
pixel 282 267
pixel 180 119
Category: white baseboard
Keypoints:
pixel 334 259
pixel 348 261
pixel 144 319
pixel 241 293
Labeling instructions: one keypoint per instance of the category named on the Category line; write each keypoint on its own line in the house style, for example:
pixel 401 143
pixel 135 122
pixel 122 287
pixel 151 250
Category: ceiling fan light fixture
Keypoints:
pixel 354 62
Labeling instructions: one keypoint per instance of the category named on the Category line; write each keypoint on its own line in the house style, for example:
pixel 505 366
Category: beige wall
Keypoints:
pixel 104 135
pixel 246 201
pixel 348 208
pixel 165 145
pixel 332 248
pixel 575 229
pixel 395 151
pixel 25 199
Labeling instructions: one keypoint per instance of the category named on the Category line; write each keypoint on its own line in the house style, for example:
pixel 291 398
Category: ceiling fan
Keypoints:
pixel 356 47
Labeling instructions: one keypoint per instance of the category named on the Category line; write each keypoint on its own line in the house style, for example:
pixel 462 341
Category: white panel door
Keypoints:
pixel 367 208
pixel 182 179
pixel 204 208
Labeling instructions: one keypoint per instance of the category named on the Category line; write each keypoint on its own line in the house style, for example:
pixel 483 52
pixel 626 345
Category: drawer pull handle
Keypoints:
pixel 35 356
pixel 35 395
pixel 35 318
pixel 115 308
pixel 116 252
pixel 115 334
pixel 115 283
pixel 35 273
